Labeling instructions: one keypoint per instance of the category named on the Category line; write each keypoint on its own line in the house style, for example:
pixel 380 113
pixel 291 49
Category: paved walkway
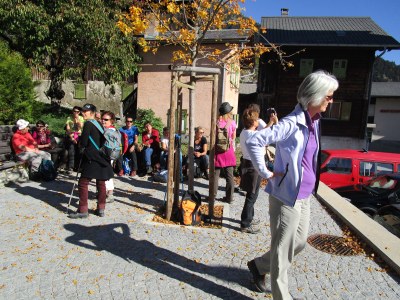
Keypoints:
pixel 45 255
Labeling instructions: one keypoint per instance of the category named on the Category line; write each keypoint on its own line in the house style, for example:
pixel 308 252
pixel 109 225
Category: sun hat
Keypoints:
pixel 22 124
pixel 225 108
pixel 90 107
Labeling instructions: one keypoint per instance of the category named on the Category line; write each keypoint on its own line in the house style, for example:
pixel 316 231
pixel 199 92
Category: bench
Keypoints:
pixel 11 170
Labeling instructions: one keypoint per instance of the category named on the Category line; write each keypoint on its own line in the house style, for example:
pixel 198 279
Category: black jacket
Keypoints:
pixel 94 165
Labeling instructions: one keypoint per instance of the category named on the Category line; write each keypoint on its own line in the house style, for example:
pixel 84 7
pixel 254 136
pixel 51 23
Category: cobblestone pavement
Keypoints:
pixel 45 255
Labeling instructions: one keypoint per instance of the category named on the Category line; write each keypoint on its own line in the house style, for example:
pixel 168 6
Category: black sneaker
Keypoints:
pixel 258 280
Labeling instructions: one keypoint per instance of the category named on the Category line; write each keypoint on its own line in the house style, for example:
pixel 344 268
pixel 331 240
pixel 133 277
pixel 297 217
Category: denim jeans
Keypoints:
pixel 148 152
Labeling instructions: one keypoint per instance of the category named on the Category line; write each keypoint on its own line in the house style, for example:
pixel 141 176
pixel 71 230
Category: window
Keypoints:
pixel 339 68
pixel 127 89
pixel 338 110
pixel 306 67
pixel 339 165
pixel 184 120
pixel 80 91
pixel 374 168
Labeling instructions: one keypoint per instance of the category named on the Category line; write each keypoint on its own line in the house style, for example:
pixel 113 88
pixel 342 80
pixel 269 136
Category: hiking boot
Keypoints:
pixel 132 174
pixel 251 229
pixel 258 279
pixel 121 173
pixel 78 215
pixel 99 212
pixel 110 198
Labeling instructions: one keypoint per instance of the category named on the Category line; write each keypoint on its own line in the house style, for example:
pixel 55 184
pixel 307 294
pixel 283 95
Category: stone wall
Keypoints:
pixel 104 97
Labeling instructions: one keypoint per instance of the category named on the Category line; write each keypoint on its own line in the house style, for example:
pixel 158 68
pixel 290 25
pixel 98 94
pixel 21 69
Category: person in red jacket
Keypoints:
pixel 151 144
pixel 26 148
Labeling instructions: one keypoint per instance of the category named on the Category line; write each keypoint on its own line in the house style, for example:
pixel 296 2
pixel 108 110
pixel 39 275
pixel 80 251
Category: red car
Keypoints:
pixel 341 168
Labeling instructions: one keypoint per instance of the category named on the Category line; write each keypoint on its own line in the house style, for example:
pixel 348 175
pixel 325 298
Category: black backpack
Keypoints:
pixel 47 171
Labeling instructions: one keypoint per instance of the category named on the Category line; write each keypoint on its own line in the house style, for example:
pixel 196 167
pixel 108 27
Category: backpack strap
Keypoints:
pixel 226 125
pixel 98 126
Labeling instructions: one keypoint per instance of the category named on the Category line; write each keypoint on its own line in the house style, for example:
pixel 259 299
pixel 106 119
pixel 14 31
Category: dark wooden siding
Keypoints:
pixel 278 88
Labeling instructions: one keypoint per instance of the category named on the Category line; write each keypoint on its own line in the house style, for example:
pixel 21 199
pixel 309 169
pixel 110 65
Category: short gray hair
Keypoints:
pixel 315 88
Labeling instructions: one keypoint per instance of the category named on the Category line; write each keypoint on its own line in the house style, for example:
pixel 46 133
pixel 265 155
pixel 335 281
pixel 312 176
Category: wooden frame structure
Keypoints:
pixel 196 74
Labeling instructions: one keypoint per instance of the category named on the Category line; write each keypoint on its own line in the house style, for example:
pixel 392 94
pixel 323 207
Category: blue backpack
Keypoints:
pixel 111 149
pixel 47 171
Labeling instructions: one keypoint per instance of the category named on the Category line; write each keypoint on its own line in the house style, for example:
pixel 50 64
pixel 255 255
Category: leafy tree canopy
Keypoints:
pixel 17 94
pixel 185 23
pixel 68 36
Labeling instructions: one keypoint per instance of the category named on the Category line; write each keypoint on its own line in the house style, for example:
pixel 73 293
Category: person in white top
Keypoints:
pixel 164 148
pixel 250 180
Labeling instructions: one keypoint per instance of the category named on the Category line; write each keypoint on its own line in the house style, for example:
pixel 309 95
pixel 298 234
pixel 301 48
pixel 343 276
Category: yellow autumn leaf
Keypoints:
pixel 75 282
pixel 90 292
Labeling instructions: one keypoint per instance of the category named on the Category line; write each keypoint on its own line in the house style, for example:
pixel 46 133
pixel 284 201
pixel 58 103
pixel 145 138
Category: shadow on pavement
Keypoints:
pixel 163 261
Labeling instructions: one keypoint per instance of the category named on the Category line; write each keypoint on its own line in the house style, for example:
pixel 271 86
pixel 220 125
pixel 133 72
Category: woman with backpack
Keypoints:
pixel 225 158
pixel 94 165
pixel 108 120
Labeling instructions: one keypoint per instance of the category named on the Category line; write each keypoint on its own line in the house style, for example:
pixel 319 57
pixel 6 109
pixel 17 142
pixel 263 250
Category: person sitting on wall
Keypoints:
pixel 200 151
pixel 151 145
pixel 43 138
pixel 131 134
pixel 26 148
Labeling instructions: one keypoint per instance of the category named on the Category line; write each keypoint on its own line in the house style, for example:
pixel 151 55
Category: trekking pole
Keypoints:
pixel 73 187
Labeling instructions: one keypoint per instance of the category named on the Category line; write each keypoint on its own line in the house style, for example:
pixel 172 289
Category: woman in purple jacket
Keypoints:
pixel 294 181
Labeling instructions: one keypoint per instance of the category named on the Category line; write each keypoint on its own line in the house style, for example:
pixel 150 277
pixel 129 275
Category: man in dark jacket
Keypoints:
pixel 94 165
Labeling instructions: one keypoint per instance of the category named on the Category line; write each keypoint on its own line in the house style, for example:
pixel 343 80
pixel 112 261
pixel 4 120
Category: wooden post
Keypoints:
pixel 211 186
pixel 171 125
pixel 192 119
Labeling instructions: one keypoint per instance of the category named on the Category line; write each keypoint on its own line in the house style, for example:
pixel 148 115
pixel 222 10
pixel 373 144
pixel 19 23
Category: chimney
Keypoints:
pixel 284 11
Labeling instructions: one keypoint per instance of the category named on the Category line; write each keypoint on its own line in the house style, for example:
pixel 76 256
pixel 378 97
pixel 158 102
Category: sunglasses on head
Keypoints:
pixel 76 111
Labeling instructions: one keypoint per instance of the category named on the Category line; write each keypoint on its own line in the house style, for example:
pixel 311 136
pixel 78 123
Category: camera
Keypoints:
pixel 270 111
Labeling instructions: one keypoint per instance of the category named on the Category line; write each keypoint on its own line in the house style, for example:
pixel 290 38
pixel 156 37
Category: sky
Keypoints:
pixel 385 13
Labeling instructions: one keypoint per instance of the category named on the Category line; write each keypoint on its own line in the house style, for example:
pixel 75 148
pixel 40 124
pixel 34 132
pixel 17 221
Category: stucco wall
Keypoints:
pixel 154 89
pixel 387 119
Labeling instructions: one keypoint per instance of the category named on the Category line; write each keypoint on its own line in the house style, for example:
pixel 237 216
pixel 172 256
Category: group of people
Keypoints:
pixel 290 185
